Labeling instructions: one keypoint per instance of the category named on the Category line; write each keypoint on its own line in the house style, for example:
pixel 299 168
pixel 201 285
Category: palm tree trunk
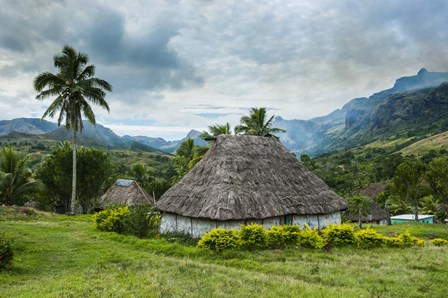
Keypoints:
pixel 416 214
pixel 360 218
pixel 73 198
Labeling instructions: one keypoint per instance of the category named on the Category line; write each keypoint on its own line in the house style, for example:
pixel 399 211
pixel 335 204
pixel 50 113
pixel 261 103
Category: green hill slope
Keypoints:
pixel 436 142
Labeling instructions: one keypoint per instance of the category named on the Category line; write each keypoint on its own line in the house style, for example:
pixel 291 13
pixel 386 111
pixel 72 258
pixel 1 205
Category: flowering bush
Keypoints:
pixel 404 240
pixel 282 236
pixel 339 235
pixel 439 242
pixel 253 236
pixel 111 220
pixel 311 238
pixel 220 239
pixel 369 238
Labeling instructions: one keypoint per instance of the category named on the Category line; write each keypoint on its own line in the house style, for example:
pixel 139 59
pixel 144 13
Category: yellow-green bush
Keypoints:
pixel 252 236
pixel 111 220
pixel 439 242
pixel 369 238
pixel 282 236
pixel 220 239
pixel 403 240
pixel 339 235
pixel 310 238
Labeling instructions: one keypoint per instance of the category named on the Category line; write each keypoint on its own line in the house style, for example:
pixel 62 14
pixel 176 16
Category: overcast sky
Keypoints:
pixel 178 65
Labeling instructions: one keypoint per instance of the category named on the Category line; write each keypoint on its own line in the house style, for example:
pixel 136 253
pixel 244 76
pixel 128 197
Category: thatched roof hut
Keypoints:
pixel 249 178
pixel 126 192
pixel 376 214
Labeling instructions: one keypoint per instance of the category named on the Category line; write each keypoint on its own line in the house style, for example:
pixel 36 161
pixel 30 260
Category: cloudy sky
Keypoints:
pixel 177 65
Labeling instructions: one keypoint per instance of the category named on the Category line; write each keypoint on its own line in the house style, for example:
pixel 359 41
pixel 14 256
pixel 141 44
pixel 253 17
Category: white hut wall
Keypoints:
pixel 317 221
pixel 196 227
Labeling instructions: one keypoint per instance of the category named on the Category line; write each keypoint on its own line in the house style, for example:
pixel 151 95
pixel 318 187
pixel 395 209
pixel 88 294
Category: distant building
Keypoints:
pixel 411 218
pixel 376 214
pixel 125 192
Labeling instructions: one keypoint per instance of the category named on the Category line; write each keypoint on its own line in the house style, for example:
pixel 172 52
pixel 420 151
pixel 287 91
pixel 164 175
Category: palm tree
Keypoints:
pixel 256 124
pixel 15 176
pixel 215 131
pixel 74 88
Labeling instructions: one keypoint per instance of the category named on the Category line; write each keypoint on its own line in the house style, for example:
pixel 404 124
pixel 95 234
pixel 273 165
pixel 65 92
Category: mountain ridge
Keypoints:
pixel 400 110
pixel 329 132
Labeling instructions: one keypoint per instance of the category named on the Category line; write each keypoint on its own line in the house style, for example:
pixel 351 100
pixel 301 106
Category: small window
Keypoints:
pixel 288 219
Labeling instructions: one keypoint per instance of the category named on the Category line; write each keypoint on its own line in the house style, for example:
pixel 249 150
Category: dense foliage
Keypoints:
pixel 411 183
pixel 94 168
pixel 15 177
pixel 139 221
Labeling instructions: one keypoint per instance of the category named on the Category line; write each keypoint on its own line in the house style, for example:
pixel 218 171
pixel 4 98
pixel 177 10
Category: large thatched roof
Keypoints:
pixel 126 192
pixel 249 177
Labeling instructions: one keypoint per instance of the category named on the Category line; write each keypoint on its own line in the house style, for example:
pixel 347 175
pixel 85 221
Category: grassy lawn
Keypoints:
pixel 62 256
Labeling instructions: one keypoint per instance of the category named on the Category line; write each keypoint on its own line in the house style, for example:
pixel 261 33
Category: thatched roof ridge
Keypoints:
pixel 126 192
pixel 249 177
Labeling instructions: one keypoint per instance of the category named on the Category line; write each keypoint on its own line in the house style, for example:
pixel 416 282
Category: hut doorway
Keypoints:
pixel 287 220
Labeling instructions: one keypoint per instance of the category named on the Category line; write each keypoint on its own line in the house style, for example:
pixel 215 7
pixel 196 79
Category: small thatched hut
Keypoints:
pixel 248 179
pixel 126 192
pixel 376 213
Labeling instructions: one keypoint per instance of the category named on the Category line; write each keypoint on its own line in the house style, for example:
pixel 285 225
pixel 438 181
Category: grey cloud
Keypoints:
pixel 145 62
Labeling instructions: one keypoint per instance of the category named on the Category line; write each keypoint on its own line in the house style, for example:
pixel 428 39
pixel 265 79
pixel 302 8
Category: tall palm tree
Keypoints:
pixel 15 176
pixel 215 131
pixel 74 87
pixel 256 124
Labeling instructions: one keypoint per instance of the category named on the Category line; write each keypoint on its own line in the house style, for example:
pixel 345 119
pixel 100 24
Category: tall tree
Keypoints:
pixel 74 88
pixel 407 183
pixel 15 177
pixel 257 124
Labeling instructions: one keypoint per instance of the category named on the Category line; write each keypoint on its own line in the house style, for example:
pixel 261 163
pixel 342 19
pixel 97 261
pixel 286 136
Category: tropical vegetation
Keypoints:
pixel 74 88
pixel 16 179
pixel 256 123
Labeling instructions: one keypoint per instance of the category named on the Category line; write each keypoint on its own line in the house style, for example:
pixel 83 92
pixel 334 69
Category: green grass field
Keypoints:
pixel 62 256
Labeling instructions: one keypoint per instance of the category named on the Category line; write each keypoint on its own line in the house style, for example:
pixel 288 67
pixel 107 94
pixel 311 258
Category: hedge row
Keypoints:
pixel 255 236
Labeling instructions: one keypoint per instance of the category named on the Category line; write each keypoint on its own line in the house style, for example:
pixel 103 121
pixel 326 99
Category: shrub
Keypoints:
pixel 310 238
pixel 220 239
pixel 140 220
pixel 252 236
pixel 404 240
pixel 339 235
pixel 369 238
pixel 6 253
pixel 111 220
pixel 439 242
pixel 282 236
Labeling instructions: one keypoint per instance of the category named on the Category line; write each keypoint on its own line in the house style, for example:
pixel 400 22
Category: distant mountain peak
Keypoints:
pixel 422 71
pixel 193 133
